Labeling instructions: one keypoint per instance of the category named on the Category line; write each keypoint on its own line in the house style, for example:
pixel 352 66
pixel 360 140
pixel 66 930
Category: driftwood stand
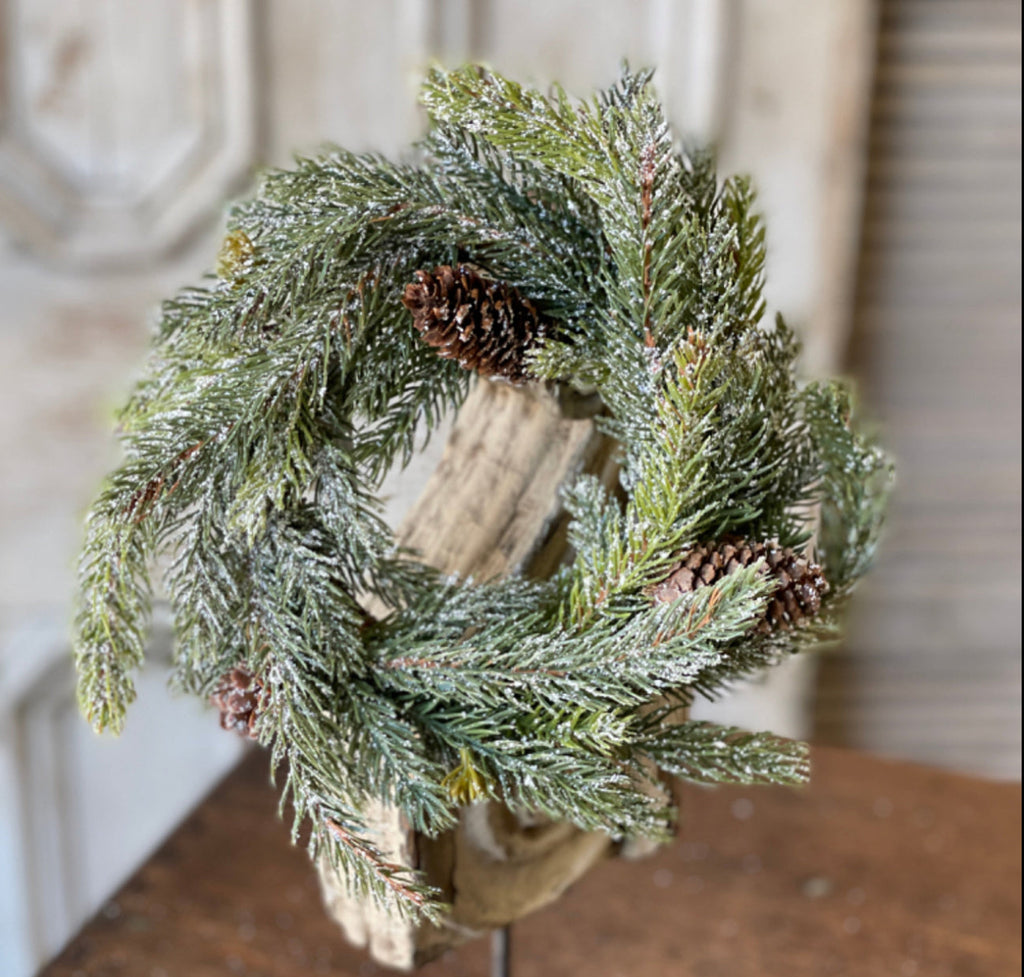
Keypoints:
pixel 491 508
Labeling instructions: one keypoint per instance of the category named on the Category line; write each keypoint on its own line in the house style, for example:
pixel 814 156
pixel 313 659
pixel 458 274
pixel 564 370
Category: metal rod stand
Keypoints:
pixel 501 947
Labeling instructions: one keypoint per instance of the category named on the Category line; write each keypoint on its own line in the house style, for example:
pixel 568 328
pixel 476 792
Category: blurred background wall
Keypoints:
pixel 893 207
pixel 931 668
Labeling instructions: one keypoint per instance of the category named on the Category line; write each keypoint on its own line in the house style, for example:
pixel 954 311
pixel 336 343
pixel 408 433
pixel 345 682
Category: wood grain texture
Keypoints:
pixel 492 502
pixel 931 667
pixel 796 119
pixel 877 868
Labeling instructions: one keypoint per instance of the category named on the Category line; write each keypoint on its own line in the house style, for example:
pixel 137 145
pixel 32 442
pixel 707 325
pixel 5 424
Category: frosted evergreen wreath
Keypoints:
pixel 534 238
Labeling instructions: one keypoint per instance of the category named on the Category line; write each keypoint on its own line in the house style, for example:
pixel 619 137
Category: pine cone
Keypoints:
pixel 486 325
pixel 238 698
pixel 801 583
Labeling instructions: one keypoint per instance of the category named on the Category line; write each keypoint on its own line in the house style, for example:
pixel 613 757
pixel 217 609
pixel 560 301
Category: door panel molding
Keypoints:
pixel 122 125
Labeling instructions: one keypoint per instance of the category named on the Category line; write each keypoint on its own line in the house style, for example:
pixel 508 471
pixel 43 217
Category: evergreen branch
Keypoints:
pixel 281 391
pixel 325 782
pixel 564 782
pixel 707 753
pixel 112 615
pixel 855 481
pixel 518 661
pixel 206 582
pixel 406 889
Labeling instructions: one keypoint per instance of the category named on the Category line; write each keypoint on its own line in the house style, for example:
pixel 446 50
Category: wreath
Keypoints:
pixel 532 238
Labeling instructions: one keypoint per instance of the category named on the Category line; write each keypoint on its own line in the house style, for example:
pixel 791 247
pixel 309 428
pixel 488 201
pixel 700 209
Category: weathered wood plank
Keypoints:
pixel 876 868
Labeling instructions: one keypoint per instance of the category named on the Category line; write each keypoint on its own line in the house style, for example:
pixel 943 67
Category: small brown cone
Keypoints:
pixel 798 596
pixel 486 325
pixel 238 698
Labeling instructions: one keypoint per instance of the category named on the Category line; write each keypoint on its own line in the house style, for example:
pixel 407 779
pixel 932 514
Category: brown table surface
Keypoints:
pixel 877 868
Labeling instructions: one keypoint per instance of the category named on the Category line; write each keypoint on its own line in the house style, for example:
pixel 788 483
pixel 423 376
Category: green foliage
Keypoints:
pixel 710 754
pixel 280 392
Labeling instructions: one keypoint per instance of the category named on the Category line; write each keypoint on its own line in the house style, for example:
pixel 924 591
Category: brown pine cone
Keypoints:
pixel 486 325
pixel 238 699
pixel 798 596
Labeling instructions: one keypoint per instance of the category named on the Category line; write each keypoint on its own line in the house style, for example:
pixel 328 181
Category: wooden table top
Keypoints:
pixel 878 868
